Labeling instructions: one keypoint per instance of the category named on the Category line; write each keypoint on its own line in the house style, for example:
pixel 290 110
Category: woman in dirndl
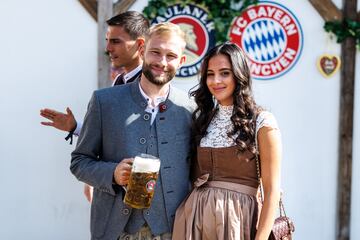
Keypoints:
pixel 229 131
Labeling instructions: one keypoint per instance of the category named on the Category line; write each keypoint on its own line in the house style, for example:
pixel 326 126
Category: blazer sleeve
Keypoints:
pixel 86 160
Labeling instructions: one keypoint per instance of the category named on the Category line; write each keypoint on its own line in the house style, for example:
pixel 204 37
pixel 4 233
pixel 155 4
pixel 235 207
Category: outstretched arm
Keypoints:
pixel 62 121
pixel 270 158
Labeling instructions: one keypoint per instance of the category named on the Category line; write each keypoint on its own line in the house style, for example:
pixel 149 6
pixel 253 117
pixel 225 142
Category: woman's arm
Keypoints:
pixel 269 144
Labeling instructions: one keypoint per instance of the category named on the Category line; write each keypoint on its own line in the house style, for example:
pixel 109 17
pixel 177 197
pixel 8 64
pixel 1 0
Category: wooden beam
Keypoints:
pixel 104 12
pixel 91 7
pixel 327 9
pixel 122 6
pixel 348 53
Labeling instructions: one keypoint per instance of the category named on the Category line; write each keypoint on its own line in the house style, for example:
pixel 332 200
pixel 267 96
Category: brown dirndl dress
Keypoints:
pixel 223 203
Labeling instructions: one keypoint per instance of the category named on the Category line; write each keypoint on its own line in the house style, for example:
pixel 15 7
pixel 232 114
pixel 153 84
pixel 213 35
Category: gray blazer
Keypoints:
pixel 114 129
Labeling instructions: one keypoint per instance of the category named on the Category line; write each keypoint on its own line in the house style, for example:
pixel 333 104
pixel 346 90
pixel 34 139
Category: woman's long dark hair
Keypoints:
pixel 245 109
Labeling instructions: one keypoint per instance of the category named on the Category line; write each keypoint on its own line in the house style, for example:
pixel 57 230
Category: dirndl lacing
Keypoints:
pixel 202 181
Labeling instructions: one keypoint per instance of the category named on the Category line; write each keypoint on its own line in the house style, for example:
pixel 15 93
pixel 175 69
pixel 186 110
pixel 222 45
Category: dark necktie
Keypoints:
pixel 119 80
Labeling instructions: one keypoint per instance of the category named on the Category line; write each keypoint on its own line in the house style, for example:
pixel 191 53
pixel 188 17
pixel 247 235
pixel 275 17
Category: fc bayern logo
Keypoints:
pixel 271 36
pixel 199 30
pixel 150 185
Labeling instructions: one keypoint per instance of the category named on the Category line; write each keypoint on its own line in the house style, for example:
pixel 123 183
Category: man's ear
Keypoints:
pixel 182 60
pixel 141 46
pixel 140 42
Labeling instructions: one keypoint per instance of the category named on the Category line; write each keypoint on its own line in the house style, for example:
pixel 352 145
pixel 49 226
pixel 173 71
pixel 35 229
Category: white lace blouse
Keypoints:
pixel 221 124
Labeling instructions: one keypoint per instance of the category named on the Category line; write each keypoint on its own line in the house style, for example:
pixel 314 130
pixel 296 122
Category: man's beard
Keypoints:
pixel 157 80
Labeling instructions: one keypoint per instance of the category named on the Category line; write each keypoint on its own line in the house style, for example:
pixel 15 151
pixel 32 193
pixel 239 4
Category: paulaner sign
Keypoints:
pixel 271 36
pixel 199 30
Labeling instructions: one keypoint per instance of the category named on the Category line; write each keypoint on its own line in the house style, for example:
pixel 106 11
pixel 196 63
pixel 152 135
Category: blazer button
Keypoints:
pixel 147 212
pixel 125 211
pixel 142 140
pixel 146 116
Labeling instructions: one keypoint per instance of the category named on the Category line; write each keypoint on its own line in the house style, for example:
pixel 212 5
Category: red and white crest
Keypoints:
pixel 271 36
pixel 197 39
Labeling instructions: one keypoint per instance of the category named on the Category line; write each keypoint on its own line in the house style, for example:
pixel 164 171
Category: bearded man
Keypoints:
pixel 145 116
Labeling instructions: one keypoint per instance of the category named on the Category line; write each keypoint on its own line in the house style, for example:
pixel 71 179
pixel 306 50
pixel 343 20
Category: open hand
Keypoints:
pixel 65 122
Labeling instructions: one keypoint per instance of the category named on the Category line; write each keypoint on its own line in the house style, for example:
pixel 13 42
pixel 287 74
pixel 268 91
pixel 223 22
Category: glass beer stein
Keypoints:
pixel 141 187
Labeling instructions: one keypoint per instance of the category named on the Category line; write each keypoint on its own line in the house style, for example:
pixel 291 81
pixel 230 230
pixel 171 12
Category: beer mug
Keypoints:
pixel 141 187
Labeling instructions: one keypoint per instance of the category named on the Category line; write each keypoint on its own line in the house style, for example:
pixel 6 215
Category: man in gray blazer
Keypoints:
pixel 146 116
pixel 124 39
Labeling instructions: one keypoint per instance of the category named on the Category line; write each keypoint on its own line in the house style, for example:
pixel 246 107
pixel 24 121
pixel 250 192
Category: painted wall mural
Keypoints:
pixel 268 32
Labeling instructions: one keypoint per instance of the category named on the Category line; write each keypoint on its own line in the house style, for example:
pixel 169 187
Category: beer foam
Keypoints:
pixel 142 164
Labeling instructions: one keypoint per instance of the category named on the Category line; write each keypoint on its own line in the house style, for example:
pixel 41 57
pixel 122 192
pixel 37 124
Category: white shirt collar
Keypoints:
pixel 132 73
pixel 157 100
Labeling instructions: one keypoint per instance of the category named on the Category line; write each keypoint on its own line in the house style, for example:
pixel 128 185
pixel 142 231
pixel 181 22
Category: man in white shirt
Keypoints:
pixel 125 39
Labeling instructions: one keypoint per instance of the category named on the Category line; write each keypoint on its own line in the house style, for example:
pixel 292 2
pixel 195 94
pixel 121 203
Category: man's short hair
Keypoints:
pixel 166 28
pixel 133 23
